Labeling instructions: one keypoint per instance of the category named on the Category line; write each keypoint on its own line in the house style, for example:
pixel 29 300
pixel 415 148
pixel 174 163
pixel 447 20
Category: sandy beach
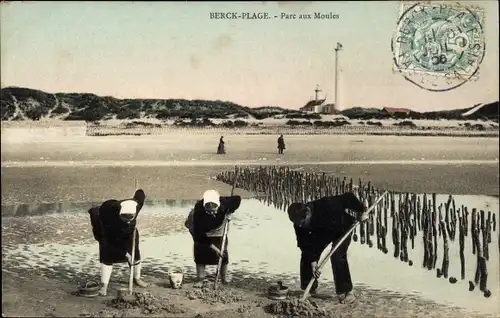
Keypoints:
pixel 182 166
pixel 87 170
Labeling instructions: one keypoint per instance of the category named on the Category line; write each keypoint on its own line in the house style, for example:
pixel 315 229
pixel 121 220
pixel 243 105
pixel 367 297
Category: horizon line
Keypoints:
pixel 268 106
pixel 191 163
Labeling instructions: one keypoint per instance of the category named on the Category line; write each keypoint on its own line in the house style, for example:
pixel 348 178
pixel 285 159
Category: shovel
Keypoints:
pixel 339 242
pixel 131 277
pixel 132 263
pixel 224 235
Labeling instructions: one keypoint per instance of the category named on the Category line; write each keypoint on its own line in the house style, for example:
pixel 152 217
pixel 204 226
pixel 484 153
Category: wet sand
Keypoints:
pixel 66 252
pixel 41 270
pixel 22 297
pixel 27 292
pixel 85 184
pixel 302 148
pixel 361 156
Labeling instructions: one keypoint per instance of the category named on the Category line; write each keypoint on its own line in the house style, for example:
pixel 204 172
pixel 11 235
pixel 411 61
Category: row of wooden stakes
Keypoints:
pixel 407 214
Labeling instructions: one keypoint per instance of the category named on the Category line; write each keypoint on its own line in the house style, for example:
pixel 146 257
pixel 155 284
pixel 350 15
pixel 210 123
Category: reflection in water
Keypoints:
pixel 40 209
pixel 262 244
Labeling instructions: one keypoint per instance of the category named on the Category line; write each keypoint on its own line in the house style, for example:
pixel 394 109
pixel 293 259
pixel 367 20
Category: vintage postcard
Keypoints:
pixel 250 159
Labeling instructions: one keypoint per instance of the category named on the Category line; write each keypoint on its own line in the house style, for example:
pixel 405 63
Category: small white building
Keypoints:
pixel 318 105
pixel 315 106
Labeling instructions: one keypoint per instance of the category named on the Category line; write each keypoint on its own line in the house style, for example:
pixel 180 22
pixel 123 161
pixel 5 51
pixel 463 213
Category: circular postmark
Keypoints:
pixel 438 47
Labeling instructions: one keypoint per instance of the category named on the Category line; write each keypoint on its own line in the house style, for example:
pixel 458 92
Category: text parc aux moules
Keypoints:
pixel 268 16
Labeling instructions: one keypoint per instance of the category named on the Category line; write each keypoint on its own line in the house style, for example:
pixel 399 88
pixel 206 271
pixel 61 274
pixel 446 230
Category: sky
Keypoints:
pixel 167 50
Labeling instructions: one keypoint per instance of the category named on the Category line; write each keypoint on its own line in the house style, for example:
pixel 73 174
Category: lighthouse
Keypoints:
pixel 335 104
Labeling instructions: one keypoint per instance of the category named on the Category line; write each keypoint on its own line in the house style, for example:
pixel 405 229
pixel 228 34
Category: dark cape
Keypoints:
pixel 329 221
pixel 114 235
pixel 208 229
pixel 281 143
pixel 221 149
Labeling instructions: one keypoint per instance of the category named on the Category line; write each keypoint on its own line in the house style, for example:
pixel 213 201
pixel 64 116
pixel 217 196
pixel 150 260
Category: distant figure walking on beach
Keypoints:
pixel 319 223
pixel 221 149
pixel 281 144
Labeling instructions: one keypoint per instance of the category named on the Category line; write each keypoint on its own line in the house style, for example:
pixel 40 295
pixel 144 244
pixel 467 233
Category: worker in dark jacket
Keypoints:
pixel 319 223
pixel 113 225
pixel 209 217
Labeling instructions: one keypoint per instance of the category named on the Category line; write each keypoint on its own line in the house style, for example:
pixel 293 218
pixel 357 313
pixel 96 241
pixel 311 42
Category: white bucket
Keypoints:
pixel 175 279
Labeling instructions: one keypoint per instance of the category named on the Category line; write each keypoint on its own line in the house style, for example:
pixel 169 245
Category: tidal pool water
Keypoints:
pixel 56 241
